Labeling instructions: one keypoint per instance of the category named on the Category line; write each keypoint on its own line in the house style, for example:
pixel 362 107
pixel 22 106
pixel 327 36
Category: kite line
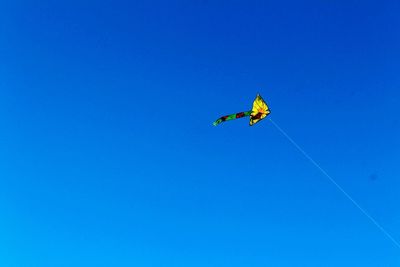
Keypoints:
pixel 380 227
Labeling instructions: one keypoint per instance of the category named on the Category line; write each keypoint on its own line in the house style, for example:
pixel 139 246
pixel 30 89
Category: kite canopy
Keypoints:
pixel 259 111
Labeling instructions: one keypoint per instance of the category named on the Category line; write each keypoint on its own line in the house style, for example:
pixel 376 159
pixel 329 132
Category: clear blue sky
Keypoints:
pixel 109 157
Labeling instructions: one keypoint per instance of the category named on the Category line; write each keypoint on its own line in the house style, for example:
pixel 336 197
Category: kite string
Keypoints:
pixel 380 227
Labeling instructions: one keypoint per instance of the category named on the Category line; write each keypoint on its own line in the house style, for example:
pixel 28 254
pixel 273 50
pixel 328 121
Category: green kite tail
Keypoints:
pixel 232 117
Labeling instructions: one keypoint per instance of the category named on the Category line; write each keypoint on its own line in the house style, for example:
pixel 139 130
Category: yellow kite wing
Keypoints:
pixel 259 111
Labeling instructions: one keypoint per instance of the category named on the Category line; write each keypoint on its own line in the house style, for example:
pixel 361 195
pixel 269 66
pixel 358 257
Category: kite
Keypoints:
pixel 259 111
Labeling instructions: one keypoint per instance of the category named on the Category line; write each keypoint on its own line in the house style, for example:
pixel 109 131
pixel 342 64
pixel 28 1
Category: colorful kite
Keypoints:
pixel 259 111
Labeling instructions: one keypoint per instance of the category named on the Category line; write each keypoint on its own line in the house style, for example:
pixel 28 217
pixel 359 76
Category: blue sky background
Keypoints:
pixel 109 157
